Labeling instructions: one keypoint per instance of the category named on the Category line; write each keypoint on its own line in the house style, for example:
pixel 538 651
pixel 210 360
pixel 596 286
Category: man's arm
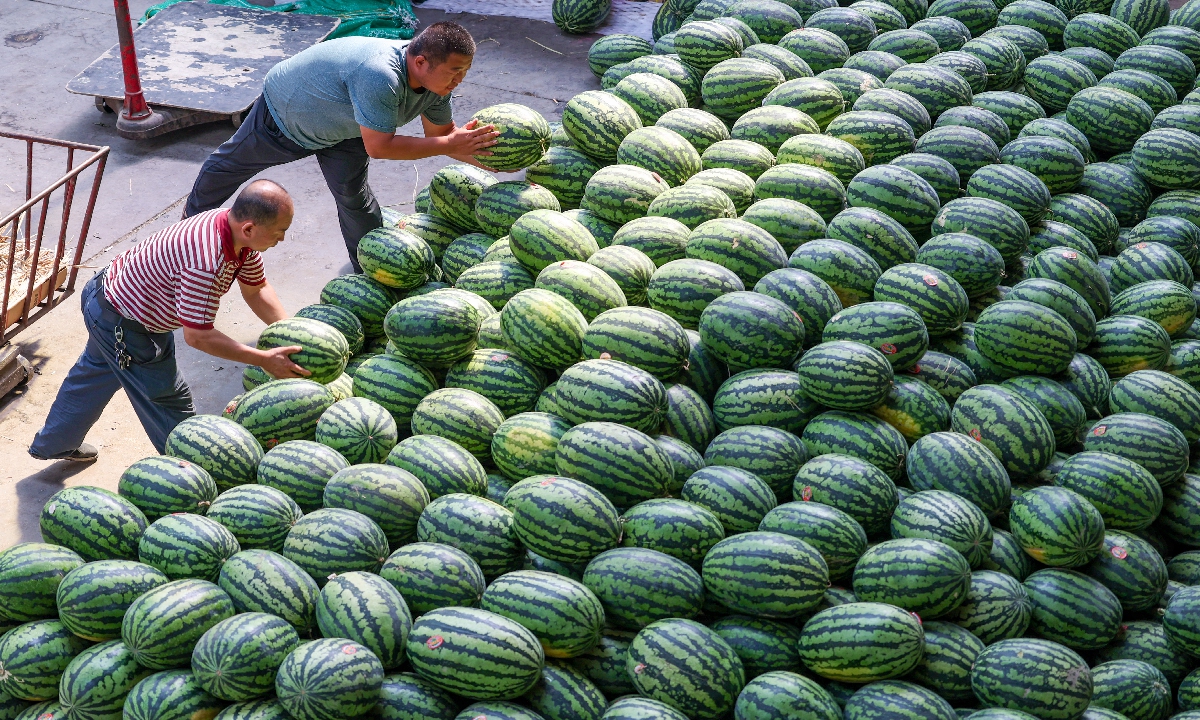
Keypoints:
pixel 275 361
pixel 457 142
pixel 263 300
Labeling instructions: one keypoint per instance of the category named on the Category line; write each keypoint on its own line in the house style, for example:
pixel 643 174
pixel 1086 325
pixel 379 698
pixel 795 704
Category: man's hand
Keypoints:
pixel 471 139
pixel 279 365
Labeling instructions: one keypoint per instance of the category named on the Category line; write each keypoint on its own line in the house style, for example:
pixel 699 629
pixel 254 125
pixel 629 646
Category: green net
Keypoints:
pixel 391 19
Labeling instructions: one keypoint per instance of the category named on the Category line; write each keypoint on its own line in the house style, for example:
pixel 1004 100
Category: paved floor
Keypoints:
pixel 45 43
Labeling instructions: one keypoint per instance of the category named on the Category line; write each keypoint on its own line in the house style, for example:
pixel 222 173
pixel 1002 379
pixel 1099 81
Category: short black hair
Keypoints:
pixel 260 203
pixel 440 40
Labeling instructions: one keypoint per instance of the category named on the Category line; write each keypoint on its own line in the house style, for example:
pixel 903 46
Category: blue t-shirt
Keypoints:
pixel 320 96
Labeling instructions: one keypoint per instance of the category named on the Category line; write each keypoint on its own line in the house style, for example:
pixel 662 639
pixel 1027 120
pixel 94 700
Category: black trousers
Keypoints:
pixel 259 144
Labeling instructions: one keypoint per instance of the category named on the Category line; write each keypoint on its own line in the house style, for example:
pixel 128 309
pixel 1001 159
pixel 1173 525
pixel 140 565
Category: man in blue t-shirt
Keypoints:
pixel 342 100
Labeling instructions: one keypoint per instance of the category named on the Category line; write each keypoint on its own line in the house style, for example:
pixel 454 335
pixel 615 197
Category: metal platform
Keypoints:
pixel 201 62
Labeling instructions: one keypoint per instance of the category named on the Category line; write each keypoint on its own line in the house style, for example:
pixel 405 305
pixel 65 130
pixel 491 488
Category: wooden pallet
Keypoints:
pixel 44 285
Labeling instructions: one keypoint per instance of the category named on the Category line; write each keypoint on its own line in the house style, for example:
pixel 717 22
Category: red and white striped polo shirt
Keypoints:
pixel 176 277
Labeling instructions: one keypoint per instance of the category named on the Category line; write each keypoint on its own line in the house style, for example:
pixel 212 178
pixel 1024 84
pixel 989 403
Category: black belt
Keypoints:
pixel 107 307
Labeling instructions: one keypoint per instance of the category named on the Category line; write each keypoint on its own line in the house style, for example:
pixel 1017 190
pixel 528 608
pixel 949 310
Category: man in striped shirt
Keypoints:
pixel 173 279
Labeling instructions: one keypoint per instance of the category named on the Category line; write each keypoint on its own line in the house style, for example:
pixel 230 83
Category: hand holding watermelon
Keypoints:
pixel 279 365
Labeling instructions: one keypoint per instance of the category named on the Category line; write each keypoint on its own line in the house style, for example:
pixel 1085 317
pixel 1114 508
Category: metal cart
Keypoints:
pixel 199 63
pixel 42 240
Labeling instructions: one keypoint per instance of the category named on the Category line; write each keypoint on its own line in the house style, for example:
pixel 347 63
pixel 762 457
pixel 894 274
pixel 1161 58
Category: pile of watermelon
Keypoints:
pixel 830 362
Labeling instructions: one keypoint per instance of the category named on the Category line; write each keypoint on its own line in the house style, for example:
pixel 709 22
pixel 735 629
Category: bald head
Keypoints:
pixel 261 203
pixel 260 216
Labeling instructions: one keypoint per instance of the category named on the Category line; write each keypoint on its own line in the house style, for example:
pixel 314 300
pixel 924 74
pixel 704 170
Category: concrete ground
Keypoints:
pixel 45 43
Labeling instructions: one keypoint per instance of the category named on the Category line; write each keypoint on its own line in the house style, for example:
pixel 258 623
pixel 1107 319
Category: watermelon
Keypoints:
pixel 597 122
pixel 818 98
pixel 892 642
pixel 703 44
pixel 327 678
pixel 856 29
pixel 433 575
pixel 94 523
pixel 835 155
pixel 475 525
pixel 996 608
pixel 898 696
pixel 161 627
pixel 1033 675
pixel 677 528
pixel 237 658
pixel 368 299
pixel 702 129
pixel 443 466
pixel 1132 569
pixel 258 516
pixel 226 450
pixel 914 46
pixel 563 614
pixel 325 350
pixel 97 681
pixel 743 573
pixel 715 675
pixel 30 575
pixel 364 608
pixel 170 695
pixel 292 595
pixel 937 88
pixel 341 318
pixel 818 47
pixel 771 125
pixel 736 85
pixel 453 191
pixel 184 545
pixel 524 135
pixel 332 540
pixel 34 656
pixel 562 519
pixel 405 696
pixel 301 468
pixel 638 586
pixel 1072 609
pixel 1057 526
pixel 392 257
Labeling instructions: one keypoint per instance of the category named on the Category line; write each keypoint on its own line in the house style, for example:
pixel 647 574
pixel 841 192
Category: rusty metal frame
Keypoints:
pixel 97 157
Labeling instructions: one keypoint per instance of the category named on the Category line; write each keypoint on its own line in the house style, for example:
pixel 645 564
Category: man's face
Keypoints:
pixel 266 236
pixel 443 77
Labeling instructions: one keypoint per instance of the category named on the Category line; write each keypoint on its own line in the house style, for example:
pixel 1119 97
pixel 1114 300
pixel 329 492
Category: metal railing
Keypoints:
pixel 29 223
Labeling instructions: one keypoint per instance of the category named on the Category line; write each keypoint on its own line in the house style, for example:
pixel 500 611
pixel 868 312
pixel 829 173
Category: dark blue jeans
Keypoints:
pixel 152 381
pixel 259 145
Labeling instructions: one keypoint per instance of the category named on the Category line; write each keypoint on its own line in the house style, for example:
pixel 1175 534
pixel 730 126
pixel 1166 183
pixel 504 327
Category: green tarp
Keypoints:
pixel 393 19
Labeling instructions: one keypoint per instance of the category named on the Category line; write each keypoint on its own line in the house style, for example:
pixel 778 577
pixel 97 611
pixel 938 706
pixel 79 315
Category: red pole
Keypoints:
pixel 135 104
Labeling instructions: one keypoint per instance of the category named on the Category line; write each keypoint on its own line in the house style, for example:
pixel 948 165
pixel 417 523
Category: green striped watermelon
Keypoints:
pixel 1072 609
pixel 301 468
pixel 160 485
pixel 546 328
pixel 327 679
pixel 161 627
pixel 34 657
pixel 170 695
pixel 184 545
pixel 93 522
pixel 996 608
pixel 562 519
pixel 330 541
pixel 364 608
pixel 97 681
pixel 475 653
pixel 237 658
pixel 562 613
pixel 261 581
pixel 893 642
pixel 432 575
pixel 1057 526
pixel 475 525
pixel 715 675
pixel 30 574
pixel 1033 675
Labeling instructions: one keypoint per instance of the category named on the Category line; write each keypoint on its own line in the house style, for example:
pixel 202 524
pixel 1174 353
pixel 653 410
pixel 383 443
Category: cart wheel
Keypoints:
pixel 101 105
pixel 236 119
